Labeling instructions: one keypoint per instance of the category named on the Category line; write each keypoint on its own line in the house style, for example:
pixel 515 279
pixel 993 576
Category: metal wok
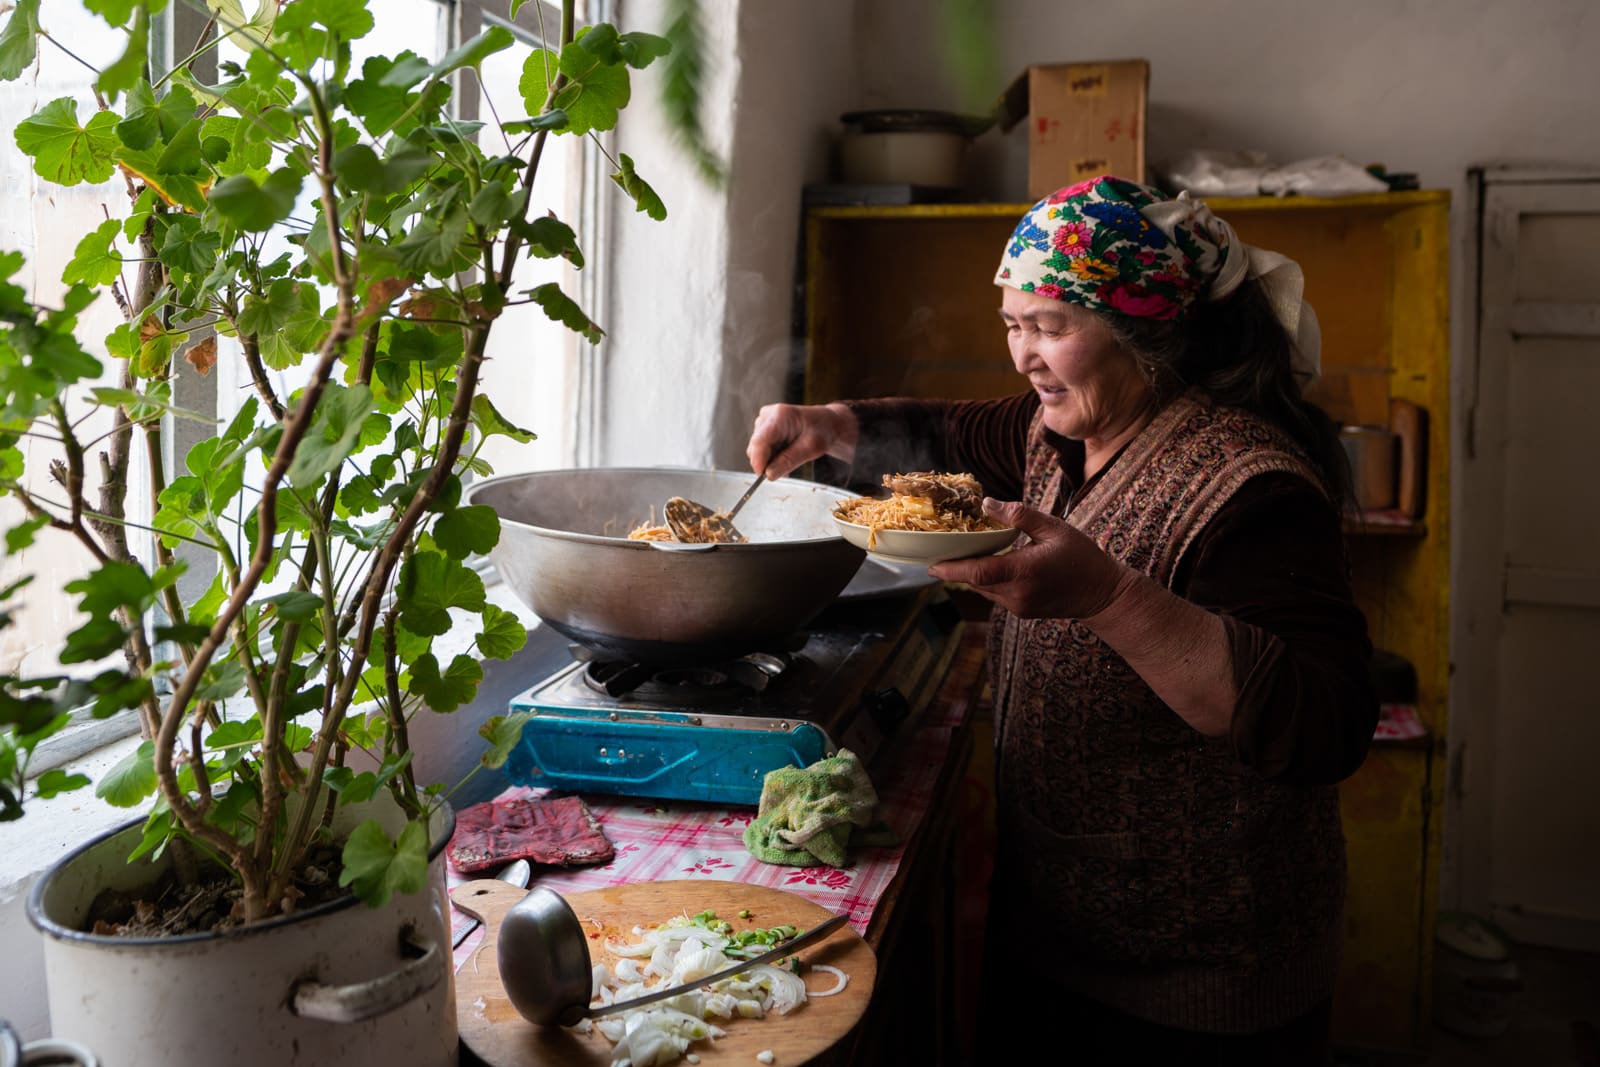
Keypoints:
pixel 564 551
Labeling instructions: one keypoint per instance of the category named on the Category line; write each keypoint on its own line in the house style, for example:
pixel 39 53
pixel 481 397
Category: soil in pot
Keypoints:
pixel 170 908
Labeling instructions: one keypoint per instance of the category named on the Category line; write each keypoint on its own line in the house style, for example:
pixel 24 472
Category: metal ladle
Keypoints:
pixel 694 523
pixel 547 973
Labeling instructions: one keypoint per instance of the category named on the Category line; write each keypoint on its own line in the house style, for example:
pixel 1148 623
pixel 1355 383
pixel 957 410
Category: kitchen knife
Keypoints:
pixel 516 873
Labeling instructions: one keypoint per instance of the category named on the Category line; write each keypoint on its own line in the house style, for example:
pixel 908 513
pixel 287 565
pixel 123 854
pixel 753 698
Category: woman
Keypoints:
pixel 1179 669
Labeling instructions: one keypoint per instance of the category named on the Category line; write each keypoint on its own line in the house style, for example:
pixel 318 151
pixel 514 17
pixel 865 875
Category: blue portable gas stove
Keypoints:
pixel 856 678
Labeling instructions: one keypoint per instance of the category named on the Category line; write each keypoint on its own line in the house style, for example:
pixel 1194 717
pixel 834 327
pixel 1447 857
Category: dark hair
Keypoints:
pixel 1237 353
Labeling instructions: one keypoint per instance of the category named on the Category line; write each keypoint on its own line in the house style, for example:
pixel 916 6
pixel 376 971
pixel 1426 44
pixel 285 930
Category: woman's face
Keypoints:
pixel 1090 387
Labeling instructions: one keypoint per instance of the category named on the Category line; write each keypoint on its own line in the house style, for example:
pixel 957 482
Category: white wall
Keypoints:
pixel 700 305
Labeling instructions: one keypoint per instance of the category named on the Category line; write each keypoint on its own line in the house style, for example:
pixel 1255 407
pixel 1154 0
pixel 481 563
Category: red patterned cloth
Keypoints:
pixel 560 831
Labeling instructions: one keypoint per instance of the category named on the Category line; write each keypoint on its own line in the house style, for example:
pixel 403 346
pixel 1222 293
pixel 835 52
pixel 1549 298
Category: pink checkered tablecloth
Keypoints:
pixel 661 840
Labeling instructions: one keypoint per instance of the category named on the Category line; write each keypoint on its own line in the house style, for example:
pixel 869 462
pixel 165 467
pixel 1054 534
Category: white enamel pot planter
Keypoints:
pixel 340 983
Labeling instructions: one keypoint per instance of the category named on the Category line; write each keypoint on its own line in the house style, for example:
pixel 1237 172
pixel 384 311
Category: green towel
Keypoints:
pixel 807 816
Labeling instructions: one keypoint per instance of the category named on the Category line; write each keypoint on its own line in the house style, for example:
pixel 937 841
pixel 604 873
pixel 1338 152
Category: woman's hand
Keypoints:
pixel 1060 574
pixel 787 435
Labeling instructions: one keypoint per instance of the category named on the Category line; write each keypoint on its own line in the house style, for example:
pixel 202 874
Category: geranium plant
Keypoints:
pixel 330 512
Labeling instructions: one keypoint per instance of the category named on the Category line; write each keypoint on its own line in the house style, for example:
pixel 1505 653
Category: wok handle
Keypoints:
pixel 360 1001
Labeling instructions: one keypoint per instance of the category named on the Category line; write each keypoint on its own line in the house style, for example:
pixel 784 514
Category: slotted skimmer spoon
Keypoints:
pixel 694 523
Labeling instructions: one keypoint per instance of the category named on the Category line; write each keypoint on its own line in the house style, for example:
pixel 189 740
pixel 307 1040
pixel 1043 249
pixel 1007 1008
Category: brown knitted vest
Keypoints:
pixel 1180 886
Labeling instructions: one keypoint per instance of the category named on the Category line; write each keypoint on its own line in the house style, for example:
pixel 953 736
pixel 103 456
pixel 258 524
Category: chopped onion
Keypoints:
pixel 786 990
pixel 842 980
pixel 681 952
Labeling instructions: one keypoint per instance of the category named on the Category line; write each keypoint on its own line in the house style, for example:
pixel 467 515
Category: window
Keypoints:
pixel 538 376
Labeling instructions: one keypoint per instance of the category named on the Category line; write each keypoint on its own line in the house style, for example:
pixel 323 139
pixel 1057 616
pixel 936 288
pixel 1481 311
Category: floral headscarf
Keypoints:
pixel 1092 244
pixel 1109 244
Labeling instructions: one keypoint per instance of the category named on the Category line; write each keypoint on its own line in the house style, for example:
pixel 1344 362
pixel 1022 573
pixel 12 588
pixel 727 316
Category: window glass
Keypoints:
pixel 43 220
pixel 533 361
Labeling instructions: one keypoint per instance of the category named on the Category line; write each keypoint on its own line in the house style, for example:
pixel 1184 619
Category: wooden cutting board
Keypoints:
pixel 494 1031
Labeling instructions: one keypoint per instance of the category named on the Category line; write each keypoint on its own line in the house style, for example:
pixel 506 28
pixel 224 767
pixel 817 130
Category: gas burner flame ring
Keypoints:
pixel 691 677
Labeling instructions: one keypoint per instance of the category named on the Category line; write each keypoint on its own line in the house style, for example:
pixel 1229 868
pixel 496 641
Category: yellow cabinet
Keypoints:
pixel 900 301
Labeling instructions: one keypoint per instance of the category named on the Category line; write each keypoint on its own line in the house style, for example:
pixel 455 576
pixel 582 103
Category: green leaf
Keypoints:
pixel 150 120
pixel 297 605
pixel 65 152
pixel 131 780
pixel 128 68
pixel 463 531
pixel 220 681
pixel 548 237
pixel 471 53
pixel 20 536
pixel 639 189
pixel 175 172
pixel 419 344
pixel 19 40
pixel 297 738
pixel 115 12
pixel 287 324
pixel 157 829
pixel 95 262
pixel 94 640
pixel 447 692
pixel 347 18
pixel 502 732
pixel 437 245
pixel 234 734
pixel 333 433
pixel 430 584
pixel 114 585
pixel 187 246
pixel 359 167
pixel 257 207
pixel 380 97
pixel 503 634
pixel 639 50
pixel 563 309
pixel 489 422
pixel 594 92
pixel 352 788
pixel 554 120
pixel 57 780
pixel 115 691
pixel 375 869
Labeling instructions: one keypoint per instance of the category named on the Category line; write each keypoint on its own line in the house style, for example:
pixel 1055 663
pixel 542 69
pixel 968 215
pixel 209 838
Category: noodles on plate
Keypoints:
pixel 921 502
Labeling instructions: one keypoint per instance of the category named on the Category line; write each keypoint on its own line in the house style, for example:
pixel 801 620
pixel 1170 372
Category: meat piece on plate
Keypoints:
pixel 948 492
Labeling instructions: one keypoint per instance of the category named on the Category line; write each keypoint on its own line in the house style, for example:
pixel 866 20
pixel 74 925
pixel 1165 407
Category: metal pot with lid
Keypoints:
pixel 911 146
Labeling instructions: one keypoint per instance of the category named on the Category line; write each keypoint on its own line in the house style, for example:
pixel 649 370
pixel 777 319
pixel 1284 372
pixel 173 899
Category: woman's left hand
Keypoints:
pixel 1059 574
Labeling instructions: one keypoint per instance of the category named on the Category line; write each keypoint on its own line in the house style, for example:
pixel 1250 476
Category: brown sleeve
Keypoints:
pixel 1272 563
pixel 986 438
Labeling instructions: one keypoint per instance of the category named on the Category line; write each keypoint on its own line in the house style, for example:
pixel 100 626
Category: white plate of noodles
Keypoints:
pixel 925 546
pixel 928 517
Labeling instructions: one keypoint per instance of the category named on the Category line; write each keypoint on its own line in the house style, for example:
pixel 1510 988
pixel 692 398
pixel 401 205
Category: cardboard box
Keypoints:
pixel 1084 119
